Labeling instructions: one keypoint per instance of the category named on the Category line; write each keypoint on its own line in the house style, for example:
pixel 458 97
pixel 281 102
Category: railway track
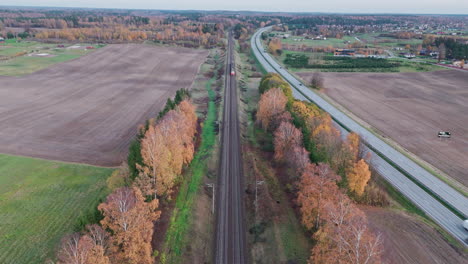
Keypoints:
pixel 230 244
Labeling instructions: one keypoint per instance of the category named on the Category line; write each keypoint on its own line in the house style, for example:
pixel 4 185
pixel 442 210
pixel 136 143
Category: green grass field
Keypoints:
pixel 405 65
pixel 368 38
pixel 176 236
pixel 299 40
pixel 29 63
pixel 41 201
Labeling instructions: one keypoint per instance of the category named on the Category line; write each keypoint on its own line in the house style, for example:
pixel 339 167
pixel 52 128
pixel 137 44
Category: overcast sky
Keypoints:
pixel 341 6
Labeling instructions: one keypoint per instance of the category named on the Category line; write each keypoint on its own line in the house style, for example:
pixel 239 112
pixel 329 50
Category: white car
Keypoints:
pixel 444 134
pixel 465 225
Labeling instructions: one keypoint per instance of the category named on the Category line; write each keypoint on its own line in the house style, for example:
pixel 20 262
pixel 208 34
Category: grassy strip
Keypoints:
pixel 257 63
pixel 294 242
pixel 181 217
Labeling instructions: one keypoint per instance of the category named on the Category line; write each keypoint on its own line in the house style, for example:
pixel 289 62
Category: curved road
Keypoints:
pixel 431 206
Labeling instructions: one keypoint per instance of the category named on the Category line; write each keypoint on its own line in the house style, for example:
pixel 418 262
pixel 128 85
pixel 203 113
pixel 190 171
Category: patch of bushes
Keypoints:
pixel 374 195
pixel 257 230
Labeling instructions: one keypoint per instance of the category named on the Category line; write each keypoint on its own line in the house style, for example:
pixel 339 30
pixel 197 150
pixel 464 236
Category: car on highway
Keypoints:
pixel 465 224
pixel 444 134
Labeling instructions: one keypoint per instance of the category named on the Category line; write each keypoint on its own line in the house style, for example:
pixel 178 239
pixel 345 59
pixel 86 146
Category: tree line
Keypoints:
pixel 163 147
pixel 453 49
pixel 328 174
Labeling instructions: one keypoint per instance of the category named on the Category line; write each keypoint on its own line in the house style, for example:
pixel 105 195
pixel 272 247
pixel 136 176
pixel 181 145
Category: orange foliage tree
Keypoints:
pixel 298 159
pixel 76 249
pixel 165 148
pixel 286 137
pixel 326 138
pixel 275 46
pixel 358 177
pixel 130 219
pixel 345 236
pixel 271 104
pixel 316 187
pixel 353 141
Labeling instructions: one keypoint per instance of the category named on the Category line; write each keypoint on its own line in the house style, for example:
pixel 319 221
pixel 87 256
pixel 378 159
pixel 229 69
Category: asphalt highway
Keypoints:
pixel 419 196
pixel 230 228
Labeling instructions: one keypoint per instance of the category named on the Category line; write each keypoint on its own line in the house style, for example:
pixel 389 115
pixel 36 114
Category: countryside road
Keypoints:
pixel 420 197
pixel 230 228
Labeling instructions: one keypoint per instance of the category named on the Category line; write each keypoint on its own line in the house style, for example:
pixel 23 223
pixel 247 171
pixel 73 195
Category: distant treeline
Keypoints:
pixel 454 49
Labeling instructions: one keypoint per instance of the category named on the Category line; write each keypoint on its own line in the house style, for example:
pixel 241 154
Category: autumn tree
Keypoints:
pixel 286 137
pixel 275 46
pixel 298 159
pixel 165 148
pixel 305 110
pixel 130 219
pixel 326 139
pixel 76 249
pixel 317 81
pixel 345 236
pixel 274 80
pixel 272 103
pixel 155 155
pixel 187 126
pixel 73 250
pixel 353 143
pixel 442 52
pixel 358 177
pixel 350 151
pixel 316 187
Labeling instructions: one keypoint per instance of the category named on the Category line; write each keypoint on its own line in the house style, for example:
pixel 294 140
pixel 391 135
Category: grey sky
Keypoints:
pixel 342 6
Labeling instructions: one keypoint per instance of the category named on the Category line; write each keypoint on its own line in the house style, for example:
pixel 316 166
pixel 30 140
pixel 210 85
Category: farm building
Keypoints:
pixel 344 52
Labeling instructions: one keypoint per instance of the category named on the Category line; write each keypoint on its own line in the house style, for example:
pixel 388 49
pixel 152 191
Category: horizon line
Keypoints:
pixel 237 10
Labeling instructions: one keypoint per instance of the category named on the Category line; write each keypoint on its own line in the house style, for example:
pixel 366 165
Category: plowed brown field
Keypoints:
pixel 406 239
pixel 87 110
pixel 411 108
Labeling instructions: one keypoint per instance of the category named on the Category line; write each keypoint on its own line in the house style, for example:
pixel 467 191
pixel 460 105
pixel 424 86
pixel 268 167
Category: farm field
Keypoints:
pixel 411 108
pixel 87 110
pixel 407 239
pixel 334 42
pixel 369 39
pixel 36 56
pixel 40 201
pixel 319 58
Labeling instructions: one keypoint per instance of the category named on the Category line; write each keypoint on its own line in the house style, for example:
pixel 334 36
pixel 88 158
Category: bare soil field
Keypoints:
pixel 411 108
pixel 87 110
pixel 409 240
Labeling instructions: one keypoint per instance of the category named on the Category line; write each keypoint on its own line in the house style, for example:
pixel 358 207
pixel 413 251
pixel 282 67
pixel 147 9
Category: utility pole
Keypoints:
pixel 212 186
pixel 256 194
pixel 257 182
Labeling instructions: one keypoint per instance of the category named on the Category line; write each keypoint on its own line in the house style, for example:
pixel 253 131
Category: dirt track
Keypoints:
pixel 411 108
pixel 87 110
pixel 408 240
